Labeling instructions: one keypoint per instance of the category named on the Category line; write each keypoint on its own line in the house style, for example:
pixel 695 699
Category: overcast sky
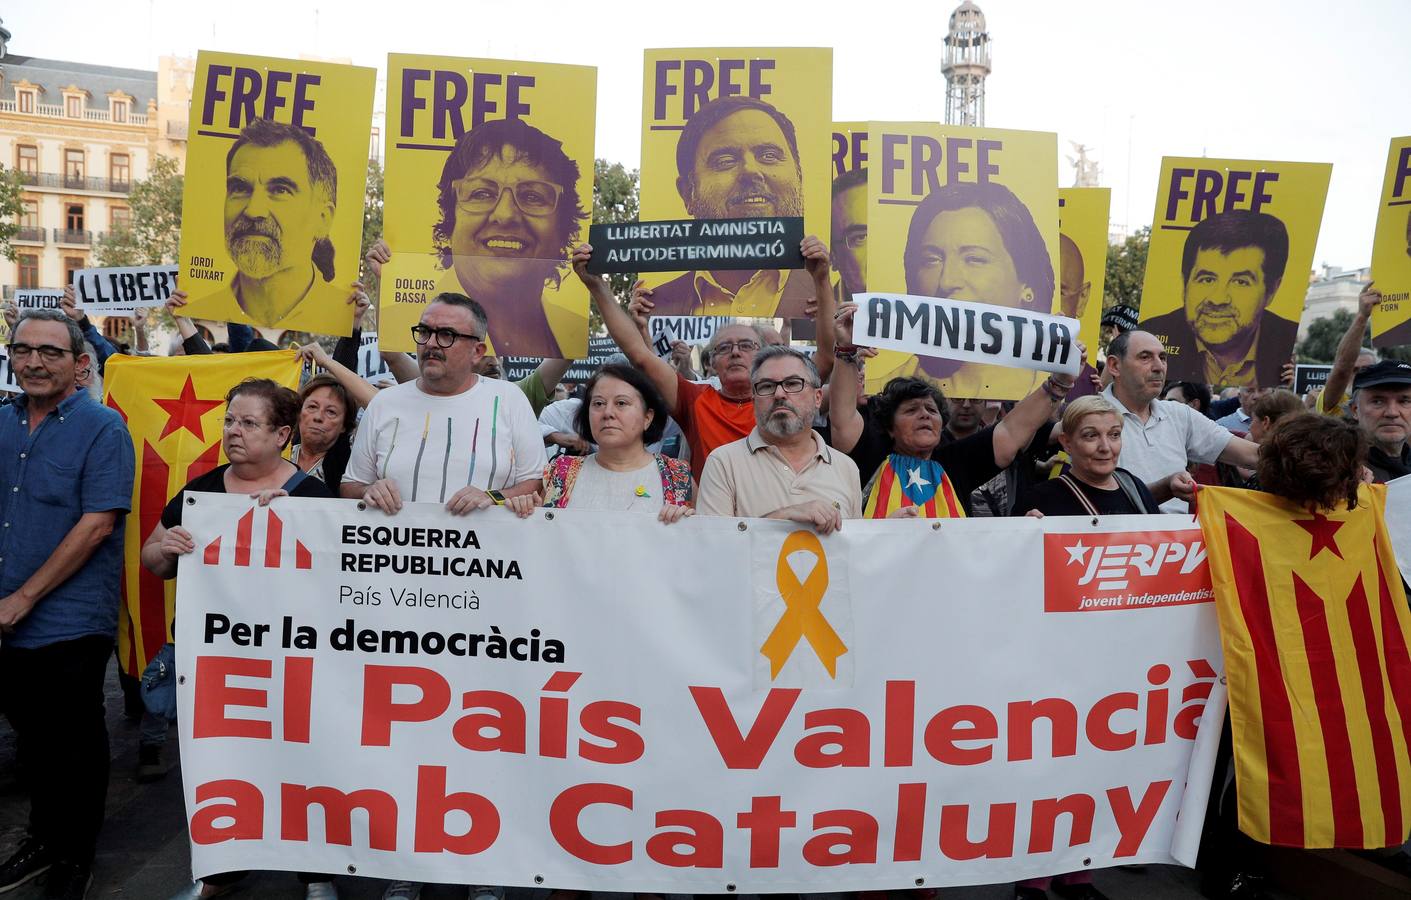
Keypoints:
pixel 1247 79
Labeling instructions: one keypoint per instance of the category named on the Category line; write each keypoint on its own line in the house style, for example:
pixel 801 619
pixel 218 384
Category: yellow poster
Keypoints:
pixel 1391 250
pixel 283 145
pixel 1231 248
pixel 847 225
pixel 1082 257
pixel 732 133
pixel 965 214
pixel 489 188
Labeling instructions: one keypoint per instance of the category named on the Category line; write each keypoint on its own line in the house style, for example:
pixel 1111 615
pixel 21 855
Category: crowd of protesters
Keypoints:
pixel 765 430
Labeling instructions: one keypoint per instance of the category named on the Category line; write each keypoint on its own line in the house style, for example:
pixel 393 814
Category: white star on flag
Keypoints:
pixel 914 479
pixel 1075 552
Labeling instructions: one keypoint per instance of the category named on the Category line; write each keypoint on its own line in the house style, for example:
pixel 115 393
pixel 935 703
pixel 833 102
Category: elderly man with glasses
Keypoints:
pixel 66 470
pixel 782 469
pixel 451 436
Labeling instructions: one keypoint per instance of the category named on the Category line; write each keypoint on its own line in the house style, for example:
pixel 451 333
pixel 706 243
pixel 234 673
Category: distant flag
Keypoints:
pixel 1315 628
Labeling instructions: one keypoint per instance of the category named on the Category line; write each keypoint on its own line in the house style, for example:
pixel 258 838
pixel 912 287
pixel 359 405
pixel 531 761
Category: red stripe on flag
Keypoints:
pixel 242 538
pixel 1398 661
pixel 208 460
pixel 1364 642
pixel 884 491
pixel 151 591
pixel 1332 715
pixel 274 537
pixel 949 493
pixel 302 558
pixel 212 556
pixel 1280 739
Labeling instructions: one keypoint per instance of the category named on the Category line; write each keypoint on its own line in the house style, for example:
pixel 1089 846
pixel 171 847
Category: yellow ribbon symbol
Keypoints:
pixel 802 618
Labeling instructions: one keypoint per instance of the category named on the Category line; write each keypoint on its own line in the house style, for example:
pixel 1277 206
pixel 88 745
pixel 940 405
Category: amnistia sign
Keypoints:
pixel 968 331
pixel 732 705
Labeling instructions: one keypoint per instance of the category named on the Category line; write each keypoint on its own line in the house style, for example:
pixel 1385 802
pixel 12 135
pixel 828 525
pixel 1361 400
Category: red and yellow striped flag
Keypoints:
pixel 173 407
pixel 1315 627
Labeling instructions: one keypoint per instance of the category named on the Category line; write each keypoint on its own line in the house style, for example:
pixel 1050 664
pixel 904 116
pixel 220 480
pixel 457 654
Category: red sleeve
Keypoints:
pixel 687 393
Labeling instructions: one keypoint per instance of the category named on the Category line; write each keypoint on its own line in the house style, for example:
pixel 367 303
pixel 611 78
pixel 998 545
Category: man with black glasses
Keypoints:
pixel 66 470
pixel 451 436
pixel 782 469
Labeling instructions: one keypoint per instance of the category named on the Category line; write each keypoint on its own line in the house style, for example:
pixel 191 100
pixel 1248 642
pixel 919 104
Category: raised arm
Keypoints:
pixel 551 372
pixel 624 331
pixel 1349 348
pixel 845 422
pixel 815 254
pixel 357 387
pixel 1016 430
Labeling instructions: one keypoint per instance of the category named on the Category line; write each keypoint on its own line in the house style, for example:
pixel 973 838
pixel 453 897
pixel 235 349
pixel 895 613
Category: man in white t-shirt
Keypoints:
pixel 1161 437
pixel 450 436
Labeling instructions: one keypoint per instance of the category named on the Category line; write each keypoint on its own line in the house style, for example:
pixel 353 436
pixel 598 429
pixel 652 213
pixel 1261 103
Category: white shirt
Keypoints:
pixel 598 488
pixel 559 417
pixel 433 446
pixel 1171 437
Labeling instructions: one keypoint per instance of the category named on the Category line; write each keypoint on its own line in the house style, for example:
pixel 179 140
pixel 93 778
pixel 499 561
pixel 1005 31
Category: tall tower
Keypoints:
pixel 965 64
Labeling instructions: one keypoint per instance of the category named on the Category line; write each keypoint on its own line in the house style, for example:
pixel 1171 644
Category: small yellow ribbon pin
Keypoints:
pixel 802 618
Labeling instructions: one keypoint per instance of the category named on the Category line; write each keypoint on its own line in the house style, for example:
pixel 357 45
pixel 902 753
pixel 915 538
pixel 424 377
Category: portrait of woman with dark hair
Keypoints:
pixel 976 242
pixel 509 212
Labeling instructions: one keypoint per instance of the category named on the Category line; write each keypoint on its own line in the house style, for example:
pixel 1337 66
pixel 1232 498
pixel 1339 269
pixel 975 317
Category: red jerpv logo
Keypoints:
pixel 273 543
pixel 1124 570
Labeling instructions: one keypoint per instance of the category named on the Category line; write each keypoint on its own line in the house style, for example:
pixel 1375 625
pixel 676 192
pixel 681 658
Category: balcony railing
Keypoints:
pixel 76 182
pixel 75 238
pixel 33 235
pixel 56 111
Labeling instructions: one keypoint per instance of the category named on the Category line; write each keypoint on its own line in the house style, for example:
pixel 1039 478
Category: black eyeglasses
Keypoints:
pixel 791 385
pixel 445 337
pixel 725 348
pixel 46 351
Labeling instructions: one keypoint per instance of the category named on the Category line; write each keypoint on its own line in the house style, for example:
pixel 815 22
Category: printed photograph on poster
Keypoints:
pixel 966 214
pixel 1226 234
pixel 1391 250
pixel 489 188
pixel 272 209
pixel 847 244
pixel 1082 256
pixel 735 133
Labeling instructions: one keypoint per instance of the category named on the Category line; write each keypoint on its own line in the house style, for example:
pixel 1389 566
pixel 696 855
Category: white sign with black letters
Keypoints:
pixel 123 289
pixel 37 298
pixel 968 331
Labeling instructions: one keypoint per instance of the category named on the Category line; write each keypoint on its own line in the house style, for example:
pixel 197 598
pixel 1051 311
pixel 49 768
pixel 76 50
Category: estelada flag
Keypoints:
pixel 908 481
pixel 173 407
pixel 1315 629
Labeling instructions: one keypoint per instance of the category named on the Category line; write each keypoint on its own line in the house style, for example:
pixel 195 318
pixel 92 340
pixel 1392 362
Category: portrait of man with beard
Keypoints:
pixel 281 191
pixel 738 157
pixel 1223 334
pixel 509 213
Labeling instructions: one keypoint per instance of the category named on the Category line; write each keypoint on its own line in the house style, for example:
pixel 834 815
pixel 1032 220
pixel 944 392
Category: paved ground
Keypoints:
pixel 143 852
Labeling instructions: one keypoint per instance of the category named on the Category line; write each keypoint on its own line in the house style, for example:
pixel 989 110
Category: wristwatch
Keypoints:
pixel 497 496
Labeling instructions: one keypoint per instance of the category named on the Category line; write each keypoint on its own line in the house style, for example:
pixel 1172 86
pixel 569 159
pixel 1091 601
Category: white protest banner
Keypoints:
pixel 123 289
pixel 1398 519
pixel 662 339
pixel 729 706
pixel 967 331
pixel 37 298
pixel 370 363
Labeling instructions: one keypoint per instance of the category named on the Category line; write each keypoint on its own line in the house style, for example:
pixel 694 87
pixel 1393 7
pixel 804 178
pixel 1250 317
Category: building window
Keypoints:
pixel 24 101
pixel 71 265
pixel 118 329
pixel 73 169
pixel 29 214
pixel 27 159
pixel 73 106
pixel 120 218
pixel 73 217
pixel 119 170
pixel 118 110
pixel 29 270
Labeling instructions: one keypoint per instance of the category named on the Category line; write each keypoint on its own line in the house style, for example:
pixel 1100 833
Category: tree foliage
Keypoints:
pixel 615 200
pixel 1126 267
pixel 153 236
pixel 11 192
pixel 372 230
pixel 1320 344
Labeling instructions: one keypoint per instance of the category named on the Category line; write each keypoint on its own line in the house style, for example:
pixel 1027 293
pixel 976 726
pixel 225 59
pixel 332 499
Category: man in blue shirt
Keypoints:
pixel 66 470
